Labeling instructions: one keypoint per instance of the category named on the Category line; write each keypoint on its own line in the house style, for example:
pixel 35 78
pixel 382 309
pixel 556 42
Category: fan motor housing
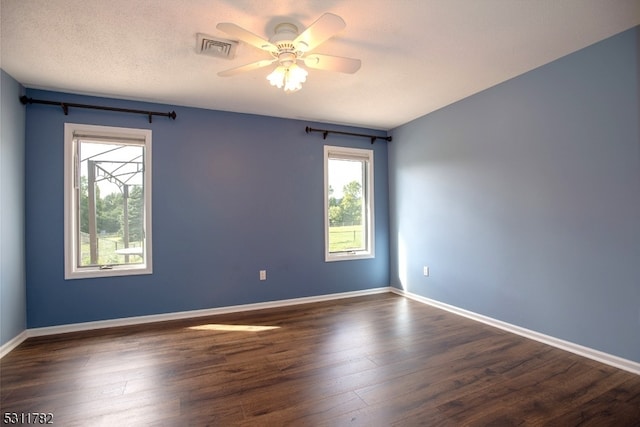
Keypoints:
pixel 285 34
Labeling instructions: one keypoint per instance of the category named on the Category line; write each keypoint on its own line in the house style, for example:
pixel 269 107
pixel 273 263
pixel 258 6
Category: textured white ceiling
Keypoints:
pixel 417 55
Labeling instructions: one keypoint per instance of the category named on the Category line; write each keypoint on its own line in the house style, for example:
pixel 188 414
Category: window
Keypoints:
pixel 107 201
pixel 348 203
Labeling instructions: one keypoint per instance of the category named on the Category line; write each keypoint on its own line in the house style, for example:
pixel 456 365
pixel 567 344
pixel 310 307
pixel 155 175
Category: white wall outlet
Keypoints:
pixel 263 274
pixel 425 270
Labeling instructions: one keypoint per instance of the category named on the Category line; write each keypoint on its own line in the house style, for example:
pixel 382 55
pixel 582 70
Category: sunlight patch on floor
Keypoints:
pixel 233 328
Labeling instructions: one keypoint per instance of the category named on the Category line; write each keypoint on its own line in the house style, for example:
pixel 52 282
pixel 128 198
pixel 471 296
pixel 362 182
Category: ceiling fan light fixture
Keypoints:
pixel 276 78
pixel 291 78
pixel 288 47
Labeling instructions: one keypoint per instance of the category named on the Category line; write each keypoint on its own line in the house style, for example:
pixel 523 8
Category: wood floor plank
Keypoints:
pixel 378 360
pixel 308 412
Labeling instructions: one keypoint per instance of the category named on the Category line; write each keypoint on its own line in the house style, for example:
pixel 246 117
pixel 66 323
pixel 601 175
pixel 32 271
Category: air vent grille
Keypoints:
pixel 213 46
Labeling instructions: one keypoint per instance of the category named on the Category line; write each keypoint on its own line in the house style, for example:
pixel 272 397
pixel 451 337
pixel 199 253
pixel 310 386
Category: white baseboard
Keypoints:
pixel 606 358
pixel 129 321
pixel 13 343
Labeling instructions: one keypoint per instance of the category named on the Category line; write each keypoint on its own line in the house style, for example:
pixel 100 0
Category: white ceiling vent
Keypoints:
pixel 214 46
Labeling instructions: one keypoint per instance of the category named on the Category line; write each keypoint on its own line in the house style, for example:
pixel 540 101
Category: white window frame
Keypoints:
pixel 365 155
pixel 72 270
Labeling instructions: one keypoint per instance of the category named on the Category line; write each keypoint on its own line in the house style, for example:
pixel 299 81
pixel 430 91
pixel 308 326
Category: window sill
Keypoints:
pixel 112 272
pixel 348 256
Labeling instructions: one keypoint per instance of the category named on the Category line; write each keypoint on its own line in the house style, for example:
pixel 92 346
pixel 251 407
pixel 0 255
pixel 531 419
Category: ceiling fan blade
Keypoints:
pixel 332 63
pixel 247 36
pixel 321 30
pixel 247 67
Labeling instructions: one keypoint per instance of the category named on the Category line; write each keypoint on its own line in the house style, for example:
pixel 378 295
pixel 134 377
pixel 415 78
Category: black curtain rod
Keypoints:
pixel 327 132
pixel 65 107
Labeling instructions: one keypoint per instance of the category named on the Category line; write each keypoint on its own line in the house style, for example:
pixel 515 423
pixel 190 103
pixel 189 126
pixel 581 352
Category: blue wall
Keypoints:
pixel 232 194
pixel 13 306
pixel 524 200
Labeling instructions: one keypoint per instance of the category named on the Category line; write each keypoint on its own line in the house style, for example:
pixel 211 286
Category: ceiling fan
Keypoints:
pixel 288 48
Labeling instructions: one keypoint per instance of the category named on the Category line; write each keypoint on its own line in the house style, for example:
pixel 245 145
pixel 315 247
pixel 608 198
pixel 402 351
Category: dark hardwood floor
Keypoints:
pixel 372 361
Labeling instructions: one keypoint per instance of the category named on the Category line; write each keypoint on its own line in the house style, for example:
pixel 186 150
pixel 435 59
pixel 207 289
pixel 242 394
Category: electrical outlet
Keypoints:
pixel 425 270
pixel 263 274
